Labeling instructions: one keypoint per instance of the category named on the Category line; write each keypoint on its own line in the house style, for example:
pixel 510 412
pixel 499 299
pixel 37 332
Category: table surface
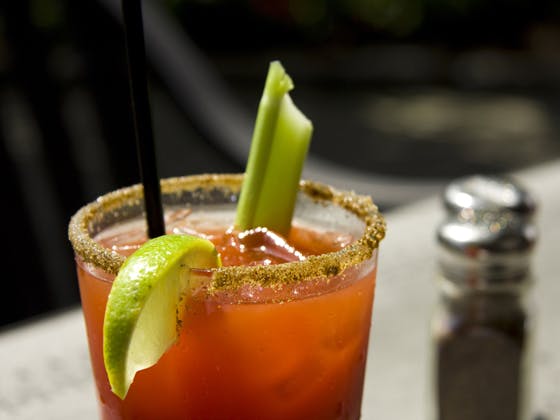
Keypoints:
pixel 44 365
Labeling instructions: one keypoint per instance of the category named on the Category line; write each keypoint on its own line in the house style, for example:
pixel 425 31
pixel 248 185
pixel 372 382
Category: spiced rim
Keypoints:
pixel 316 266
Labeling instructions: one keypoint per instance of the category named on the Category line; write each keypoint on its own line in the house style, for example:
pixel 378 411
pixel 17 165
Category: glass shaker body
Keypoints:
pixel 482 355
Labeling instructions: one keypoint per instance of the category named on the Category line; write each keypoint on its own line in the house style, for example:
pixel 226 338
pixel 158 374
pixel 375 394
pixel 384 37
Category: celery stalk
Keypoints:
pixel 279 146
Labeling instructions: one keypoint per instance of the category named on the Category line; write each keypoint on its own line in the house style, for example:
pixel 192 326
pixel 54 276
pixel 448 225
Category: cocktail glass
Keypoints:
pixel 284 341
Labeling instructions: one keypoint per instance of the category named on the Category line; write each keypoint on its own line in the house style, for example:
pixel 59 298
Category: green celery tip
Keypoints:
pixel 279 147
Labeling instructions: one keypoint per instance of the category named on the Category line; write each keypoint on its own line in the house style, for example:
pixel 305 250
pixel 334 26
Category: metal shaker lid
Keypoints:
pixel 488 234
pixel 488 194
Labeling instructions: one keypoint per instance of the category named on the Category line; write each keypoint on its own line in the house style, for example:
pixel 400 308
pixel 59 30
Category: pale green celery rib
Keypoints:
pixel 275 205
pixel 278 150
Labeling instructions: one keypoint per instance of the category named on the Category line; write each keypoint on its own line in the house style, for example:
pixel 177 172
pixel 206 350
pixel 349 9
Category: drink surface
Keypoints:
pixel 297 353
pixel 256 246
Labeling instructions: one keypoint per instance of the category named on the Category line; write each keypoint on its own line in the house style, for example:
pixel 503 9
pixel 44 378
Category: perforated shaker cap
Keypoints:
pixel 488 235
pixel 489 194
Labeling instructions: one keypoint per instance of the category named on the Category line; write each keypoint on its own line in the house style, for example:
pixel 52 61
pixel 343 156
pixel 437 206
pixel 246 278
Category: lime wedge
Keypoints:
pixel 141 317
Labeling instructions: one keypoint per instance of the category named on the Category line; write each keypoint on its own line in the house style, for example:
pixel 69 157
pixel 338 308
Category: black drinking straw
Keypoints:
pixel 134 32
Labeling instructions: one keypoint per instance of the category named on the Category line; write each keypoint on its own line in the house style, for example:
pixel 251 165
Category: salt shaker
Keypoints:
pixel 483 326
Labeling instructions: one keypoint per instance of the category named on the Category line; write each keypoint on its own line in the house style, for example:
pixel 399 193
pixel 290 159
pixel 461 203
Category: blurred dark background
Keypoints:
pixel 404 96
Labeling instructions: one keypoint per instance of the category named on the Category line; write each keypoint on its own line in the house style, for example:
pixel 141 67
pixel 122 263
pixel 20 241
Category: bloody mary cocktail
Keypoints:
pixel 284 335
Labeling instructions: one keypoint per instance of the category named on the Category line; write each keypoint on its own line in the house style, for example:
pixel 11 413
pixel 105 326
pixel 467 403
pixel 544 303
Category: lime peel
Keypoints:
pixel 142 310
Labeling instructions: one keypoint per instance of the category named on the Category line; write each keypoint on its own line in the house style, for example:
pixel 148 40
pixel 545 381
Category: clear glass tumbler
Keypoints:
pixel 281 341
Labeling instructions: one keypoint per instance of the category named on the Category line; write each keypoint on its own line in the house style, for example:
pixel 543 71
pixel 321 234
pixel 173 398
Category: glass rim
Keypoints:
pixel 316 266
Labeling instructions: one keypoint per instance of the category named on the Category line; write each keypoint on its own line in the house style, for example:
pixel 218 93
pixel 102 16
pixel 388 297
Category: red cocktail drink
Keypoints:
pixel 283 334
